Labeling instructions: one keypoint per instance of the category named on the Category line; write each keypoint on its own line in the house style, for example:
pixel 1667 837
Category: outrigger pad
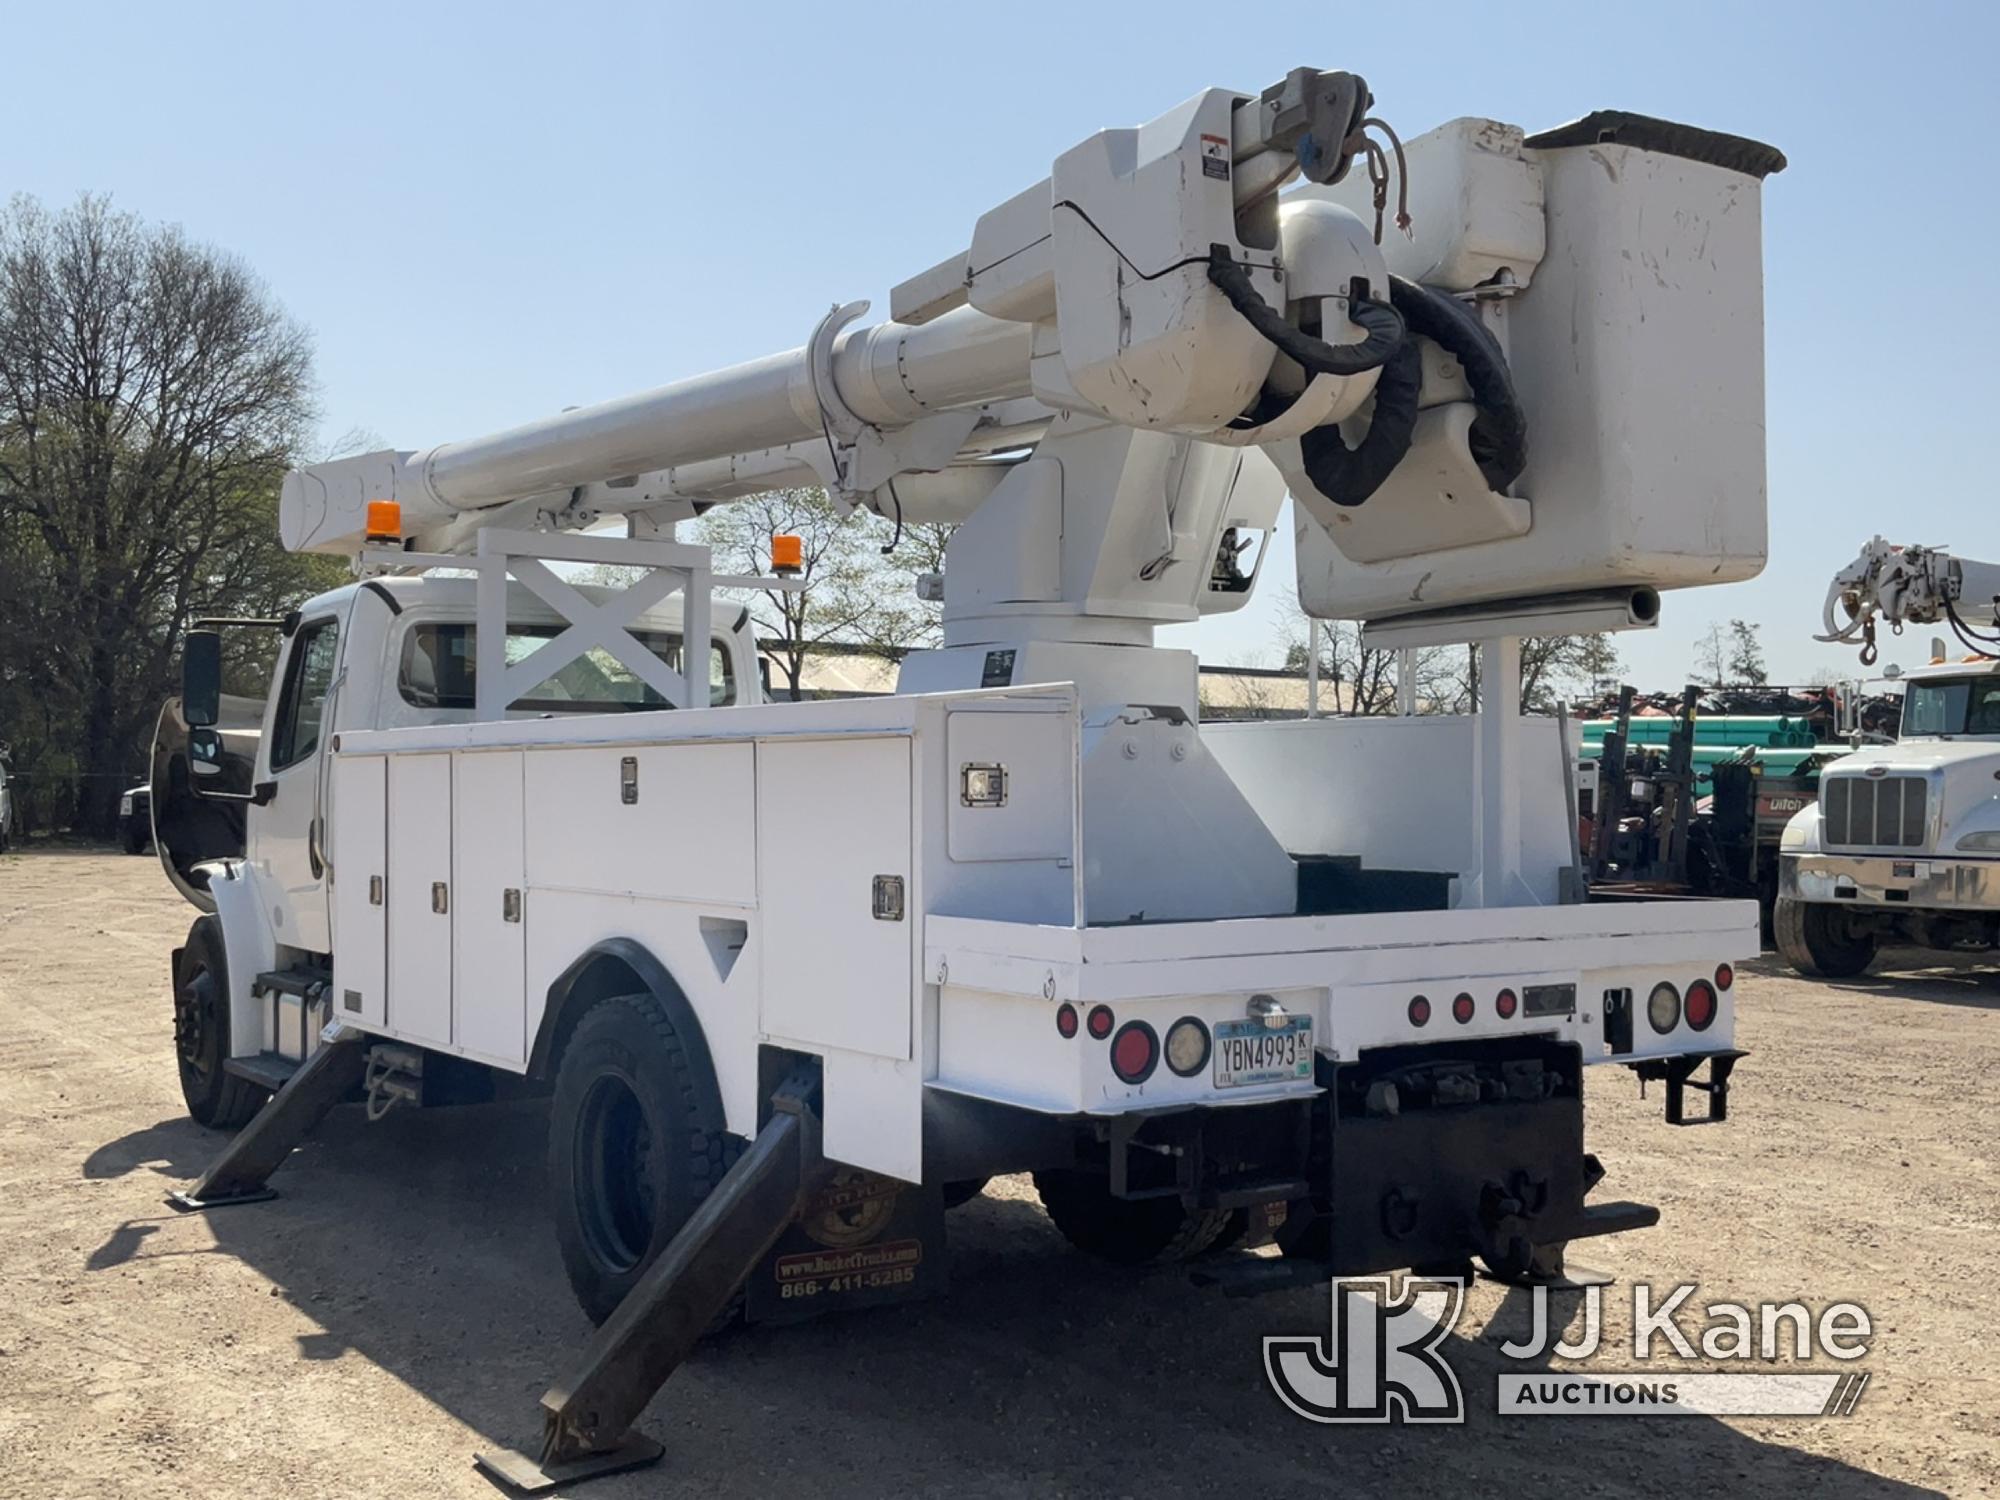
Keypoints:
pixel 182 1201
pixel 1569 1279
pixel 527 1476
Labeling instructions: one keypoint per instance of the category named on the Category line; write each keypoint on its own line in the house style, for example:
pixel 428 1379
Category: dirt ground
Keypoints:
pixel 401 1306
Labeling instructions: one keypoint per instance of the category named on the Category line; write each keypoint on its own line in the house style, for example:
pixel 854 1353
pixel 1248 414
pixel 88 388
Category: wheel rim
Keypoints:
pixel 194 1021
pixel 614 1174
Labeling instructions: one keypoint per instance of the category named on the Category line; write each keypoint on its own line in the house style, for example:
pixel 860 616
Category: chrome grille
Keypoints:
pixel 1873 812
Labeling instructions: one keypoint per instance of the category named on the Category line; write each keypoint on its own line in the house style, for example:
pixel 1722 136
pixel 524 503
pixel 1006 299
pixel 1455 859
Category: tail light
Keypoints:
pixel 1135 1052
pixel 1663 1007
pixel 1187 1047
pixel 1701 1005
pixel 1420 1011
pixel 1506 1003
pixel 1100 1021
pixel 1461 1009
pixel 1066 1020
pixel 1725 976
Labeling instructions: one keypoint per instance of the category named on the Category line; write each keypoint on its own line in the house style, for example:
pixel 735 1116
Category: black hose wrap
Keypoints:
pixel 1382 324
pixel 1498 438
pixel 1348 476
pixel 1499 435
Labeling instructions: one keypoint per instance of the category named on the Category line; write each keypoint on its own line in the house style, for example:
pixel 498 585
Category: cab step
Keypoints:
pixel 268 1070
pixel 296 1006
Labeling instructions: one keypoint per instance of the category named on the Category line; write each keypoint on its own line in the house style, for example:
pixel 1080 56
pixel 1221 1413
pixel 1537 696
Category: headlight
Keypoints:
pixel 1794 836
pixel 125 806
pixel 1981 843
pixel 1663 1007
pixel 1187 1047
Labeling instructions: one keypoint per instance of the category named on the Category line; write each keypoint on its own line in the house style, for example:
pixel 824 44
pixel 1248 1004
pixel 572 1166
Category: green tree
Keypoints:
pixel 844 598
pixel 1746 655
pixel 152 394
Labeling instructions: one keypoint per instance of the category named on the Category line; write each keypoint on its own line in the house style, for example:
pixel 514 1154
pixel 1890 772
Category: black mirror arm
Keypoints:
pixel 263 792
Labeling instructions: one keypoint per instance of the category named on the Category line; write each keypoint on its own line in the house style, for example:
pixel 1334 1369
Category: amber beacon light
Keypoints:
pixel 385 521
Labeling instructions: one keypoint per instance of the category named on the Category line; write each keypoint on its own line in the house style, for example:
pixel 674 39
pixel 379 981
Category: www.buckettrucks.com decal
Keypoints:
pixel 865 1240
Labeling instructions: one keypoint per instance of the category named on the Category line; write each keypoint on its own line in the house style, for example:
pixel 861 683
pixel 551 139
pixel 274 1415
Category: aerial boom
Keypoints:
pixel 1913 585
pixel 1479 401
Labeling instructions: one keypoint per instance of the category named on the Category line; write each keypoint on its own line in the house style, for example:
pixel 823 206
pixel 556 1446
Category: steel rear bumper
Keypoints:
pixel 1886 880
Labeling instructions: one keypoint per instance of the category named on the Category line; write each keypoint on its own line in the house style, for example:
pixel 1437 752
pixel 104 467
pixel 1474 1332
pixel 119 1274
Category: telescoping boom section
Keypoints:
pixel 799 974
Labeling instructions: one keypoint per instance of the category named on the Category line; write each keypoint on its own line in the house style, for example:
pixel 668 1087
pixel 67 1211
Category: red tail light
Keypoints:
pixel 1100 1022
pixel 1701 1005
pixel 1725 976
pixel 1420 1011
pixel 1506 1003
pixel 1066 1020
pixel 1461 1009
pixel 1135 1052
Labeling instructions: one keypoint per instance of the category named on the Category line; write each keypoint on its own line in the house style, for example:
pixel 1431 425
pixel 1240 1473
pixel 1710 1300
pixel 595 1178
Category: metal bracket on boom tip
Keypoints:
pixel 587 1418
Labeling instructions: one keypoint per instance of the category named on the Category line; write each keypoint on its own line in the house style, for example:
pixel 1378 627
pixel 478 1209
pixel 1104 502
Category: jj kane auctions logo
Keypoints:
pixel 1382 1360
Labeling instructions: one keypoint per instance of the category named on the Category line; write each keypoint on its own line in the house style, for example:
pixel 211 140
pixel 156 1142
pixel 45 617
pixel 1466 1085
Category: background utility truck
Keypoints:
pixel 1904 844
pixel 794 973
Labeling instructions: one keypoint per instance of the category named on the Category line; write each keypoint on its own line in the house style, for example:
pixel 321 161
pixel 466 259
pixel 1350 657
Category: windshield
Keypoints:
pixel 1961 705
pixel 438 671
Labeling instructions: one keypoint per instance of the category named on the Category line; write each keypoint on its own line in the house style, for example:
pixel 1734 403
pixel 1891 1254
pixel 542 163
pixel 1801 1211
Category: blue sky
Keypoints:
pixel 489 212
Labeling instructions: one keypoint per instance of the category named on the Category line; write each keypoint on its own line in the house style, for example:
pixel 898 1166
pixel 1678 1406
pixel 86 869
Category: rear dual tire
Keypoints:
pixel 1821 940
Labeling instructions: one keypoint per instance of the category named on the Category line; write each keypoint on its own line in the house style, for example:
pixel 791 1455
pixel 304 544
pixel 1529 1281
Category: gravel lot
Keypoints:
pixel 402 1305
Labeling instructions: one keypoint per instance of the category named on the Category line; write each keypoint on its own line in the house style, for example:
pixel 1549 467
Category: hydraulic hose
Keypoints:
pixel 1348 476
pixel 1499 435
pixel 1383 325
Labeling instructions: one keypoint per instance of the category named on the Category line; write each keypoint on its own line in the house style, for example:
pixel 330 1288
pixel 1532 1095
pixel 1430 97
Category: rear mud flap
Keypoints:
pixel 863 1241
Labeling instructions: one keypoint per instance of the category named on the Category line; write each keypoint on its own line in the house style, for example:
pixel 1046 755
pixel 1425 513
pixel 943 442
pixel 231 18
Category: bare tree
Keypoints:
pixel 1711 657
pixel 152 394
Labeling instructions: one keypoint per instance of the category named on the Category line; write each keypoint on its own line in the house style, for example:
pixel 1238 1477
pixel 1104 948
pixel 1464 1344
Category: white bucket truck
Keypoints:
pixel 1903 845
pixel 796 975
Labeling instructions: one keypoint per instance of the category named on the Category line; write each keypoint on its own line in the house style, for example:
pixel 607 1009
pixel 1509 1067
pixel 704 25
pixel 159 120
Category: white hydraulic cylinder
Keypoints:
pixel 886 375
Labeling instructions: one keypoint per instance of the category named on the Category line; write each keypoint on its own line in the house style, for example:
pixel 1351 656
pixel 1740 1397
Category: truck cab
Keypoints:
pixel 1903 845
pixel 243 808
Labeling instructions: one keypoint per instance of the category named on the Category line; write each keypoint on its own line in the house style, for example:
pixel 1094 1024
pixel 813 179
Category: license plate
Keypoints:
pixel 1249 1053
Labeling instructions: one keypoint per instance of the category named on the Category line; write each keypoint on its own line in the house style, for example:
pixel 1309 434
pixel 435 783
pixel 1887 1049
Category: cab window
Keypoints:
pixel 440 663
pixel 1984 714
pixel 302 705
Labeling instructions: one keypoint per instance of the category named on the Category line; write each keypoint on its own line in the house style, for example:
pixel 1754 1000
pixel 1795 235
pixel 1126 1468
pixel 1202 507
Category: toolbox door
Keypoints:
pixel 489 957
pixel 835 895
pixel 360 875
pixel 420 898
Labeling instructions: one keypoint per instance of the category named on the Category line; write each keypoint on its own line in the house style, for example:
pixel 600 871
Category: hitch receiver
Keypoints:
pixel 1678 1074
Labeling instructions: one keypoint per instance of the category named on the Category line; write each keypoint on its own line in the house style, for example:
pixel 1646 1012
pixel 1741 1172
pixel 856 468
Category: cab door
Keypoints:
pixel 285 836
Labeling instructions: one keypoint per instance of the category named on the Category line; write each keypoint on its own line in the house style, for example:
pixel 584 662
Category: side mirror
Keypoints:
pixel 201 678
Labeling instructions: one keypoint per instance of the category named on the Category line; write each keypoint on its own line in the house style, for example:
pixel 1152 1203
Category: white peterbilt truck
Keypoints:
pixel 798 975
pixel 1903 845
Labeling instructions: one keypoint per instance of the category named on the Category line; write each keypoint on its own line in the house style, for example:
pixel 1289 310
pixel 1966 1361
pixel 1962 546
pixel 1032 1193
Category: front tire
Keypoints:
pixel 1819 940
pixel 1126 1231
pixel 629 1158
pixel 201 1032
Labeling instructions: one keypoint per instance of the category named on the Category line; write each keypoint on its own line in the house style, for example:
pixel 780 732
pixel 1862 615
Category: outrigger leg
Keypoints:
pixel 241 1173
pixel 587 1418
